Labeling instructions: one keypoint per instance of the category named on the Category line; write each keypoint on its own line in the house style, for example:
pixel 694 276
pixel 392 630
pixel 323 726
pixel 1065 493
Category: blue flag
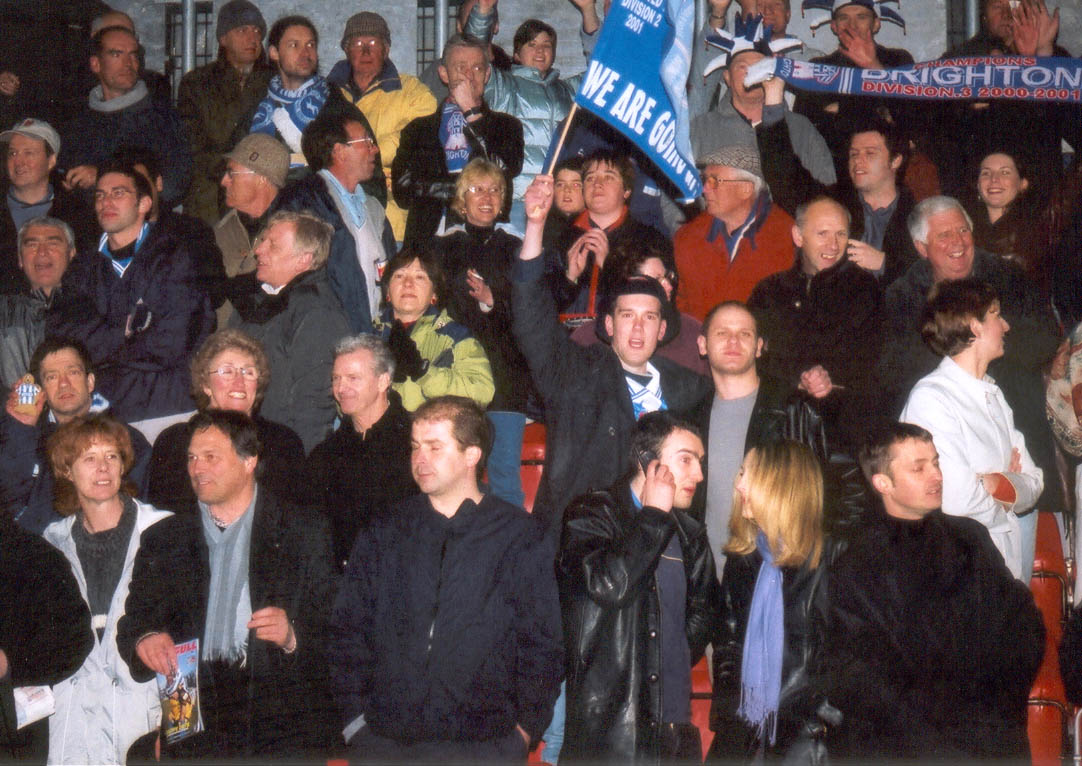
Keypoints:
pixel 636 82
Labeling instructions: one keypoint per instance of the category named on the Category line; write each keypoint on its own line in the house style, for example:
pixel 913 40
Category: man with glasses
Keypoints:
pixel 739 239
pixel 339 147
pixel 435 149
pixel 390 100
pixel 254 175
pixel 63 372
pixel 150 313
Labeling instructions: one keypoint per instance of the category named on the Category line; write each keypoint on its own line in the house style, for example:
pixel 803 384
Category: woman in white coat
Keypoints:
pixel 987 473
pixel 100 711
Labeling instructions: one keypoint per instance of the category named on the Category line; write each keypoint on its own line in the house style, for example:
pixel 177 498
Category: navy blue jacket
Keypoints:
pixel 144 372
pixel 448 629
pixel 26 478
pixel 310 194
pixel 92 137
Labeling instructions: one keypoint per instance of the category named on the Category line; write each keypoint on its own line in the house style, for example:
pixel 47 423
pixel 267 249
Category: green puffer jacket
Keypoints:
pixel 457 364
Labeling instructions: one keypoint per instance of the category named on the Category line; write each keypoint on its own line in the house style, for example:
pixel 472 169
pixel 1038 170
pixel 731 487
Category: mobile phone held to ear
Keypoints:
pixel 646 457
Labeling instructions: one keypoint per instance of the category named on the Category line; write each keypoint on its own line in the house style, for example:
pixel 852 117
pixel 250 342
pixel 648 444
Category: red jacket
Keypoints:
pixel 708 277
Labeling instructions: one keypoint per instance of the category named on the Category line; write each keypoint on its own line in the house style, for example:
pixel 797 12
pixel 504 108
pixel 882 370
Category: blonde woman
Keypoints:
pixel 768 634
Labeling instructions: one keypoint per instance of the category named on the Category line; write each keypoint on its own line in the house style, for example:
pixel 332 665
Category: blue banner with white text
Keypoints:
pixel 1029 78
pixel 636 82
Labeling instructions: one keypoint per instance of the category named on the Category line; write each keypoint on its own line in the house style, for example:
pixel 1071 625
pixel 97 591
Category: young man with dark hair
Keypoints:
pixel 639 598
pixel 592 395
pixel 870 187
pixel 445 636
pixel 151 312
pixel 121 112
pixel 297 92
pixel 61 367
pixel 931 645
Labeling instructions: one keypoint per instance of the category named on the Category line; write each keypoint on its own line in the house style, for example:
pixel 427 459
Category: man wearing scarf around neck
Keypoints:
pixel 252 578
pixel 436 148
pixel 639 598
pixel 592 395
pixel 121 112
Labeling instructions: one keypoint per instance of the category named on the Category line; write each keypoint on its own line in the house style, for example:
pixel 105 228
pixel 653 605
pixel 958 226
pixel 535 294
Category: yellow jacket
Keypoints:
pixel 390 102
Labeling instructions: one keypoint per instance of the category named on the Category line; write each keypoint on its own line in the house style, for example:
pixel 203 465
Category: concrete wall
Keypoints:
pixel 925 34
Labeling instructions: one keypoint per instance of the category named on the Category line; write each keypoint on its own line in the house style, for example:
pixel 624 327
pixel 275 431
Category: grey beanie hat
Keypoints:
pixel 265 155
pixel 239 13
pixel 736 156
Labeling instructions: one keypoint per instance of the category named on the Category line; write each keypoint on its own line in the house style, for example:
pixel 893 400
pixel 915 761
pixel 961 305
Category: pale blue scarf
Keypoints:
pixel 764 642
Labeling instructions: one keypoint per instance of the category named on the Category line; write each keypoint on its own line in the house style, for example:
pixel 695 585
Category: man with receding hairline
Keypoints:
pixel 121 112
pixel 821 318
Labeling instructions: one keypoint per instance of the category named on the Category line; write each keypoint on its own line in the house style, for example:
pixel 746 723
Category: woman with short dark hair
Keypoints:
pixel 988 474
pixel 434 355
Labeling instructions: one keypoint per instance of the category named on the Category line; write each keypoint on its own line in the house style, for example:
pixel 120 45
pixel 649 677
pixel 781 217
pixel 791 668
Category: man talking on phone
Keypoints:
pixel 638 594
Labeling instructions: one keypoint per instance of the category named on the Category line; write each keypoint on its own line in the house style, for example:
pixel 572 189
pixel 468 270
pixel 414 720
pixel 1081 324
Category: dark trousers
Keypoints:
pixel 367 747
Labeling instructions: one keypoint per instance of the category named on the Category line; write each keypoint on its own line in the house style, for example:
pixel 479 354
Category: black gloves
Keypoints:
pixel 408 362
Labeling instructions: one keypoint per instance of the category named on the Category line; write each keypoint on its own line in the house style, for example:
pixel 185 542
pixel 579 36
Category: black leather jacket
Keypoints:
pixel 612 615
pixel 804 596
pixel 781 412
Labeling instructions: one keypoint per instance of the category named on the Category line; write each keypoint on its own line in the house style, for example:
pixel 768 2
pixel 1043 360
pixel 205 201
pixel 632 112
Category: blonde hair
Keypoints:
pixel 477 169
pixel 785 487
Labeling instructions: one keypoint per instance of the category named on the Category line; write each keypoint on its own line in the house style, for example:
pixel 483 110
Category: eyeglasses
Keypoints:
pixel 228 372
pixel 493 191
pixel 712 182
pixel 464 69
pixel 368 142
pixel 365 47
pixel 116 193
pixel 235 173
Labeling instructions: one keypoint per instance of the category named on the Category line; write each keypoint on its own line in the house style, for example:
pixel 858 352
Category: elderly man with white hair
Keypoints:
pixel 741 238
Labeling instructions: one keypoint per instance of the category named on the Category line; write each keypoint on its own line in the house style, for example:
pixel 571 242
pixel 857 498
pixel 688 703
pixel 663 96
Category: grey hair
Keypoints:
pixel 310 234
pixel 47 220
pixel 464 41
pixel 382 359
pixel 918 219
pixel 756 182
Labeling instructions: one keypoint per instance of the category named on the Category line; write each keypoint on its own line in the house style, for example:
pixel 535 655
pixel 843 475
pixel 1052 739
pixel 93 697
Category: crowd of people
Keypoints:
pixel 271 349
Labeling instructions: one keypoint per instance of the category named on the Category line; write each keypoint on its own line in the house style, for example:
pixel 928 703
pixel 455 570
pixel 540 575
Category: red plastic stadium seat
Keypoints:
pixel 533 461
pixel 1048 709
pixel 700 702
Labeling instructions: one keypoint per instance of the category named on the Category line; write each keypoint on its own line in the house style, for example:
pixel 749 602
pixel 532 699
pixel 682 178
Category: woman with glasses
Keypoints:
pixel 476 257
pixel 229 372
